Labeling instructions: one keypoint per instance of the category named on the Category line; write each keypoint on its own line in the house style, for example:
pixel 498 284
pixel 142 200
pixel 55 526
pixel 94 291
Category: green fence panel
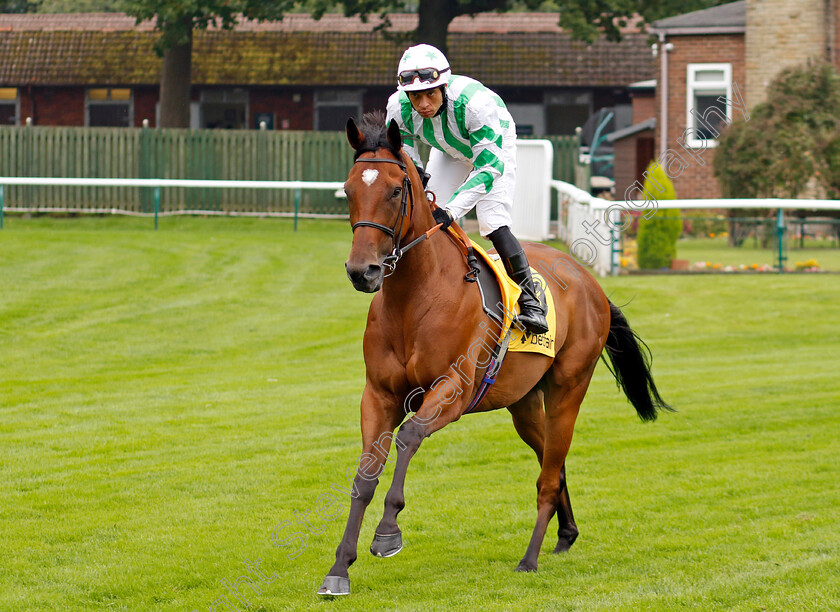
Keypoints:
pixel 171 154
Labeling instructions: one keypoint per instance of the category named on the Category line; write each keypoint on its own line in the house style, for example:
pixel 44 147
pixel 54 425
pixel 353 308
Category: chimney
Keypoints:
pixel 785 33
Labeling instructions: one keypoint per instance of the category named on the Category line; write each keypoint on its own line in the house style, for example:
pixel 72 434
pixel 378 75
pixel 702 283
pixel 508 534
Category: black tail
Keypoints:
pixel 631 367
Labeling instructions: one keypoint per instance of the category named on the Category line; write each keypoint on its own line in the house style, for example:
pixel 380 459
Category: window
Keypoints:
pixel 566 111
pixel 224 109
pixel 9 106
pixel 334 107
pixel 106 107
pixel 708 88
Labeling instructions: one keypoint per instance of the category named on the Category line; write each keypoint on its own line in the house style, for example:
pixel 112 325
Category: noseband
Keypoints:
pixel 395 232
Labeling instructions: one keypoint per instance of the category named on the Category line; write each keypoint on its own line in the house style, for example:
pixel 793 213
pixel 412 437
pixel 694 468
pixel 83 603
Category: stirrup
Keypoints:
pixel 536 324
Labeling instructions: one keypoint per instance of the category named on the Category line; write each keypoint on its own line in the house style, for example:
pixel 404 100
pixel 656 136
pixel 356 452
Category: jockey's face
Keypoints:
pixel 426 102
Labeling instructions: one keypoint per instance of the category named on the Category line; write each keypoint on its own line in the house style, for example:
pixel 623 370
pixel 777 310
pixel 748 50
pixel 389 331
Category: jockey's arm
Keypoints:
pixel 486 136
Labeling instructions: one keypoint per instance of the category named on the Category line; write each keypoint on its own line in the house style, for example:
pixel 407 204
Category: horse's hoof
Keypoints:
pixel 335 585
pixel 526 567
pixel 565 541
pixel 386 545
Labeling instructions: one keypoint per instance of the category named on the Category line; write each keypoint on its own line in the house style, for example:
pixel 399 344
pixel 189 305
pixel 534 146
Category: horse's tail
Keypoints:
pixel 631 367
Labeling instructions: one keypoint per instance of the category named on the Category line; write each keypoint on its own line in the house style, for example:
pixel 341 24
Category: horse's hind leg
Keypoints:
pixel 529 420
pixel 562 404
pixel 567 531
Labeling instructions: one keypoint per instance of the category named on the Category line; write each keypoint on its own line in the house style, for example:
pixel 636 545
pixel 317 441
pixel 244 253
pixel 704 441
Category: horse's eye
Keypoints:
pixel 397 192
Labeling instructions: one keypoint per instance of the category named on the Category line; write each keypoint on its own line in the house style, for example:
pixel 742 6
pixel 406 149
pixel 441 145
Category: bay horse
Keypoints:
pixel 424 320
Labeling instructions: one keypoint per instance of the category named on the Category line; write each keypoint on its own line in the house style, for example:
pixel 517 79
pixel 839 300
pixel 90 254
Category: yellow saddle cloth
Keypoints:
pixel 521 341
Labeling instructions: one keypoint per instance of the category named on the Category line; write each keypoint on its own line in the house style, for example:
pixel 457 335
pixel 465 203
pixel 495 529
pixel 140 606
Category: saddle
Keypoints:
pixel 499 297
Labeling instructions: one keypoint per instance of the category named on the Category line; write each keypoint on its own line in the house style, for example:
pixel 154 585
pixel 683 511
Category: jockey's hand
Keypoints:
pixel 442 215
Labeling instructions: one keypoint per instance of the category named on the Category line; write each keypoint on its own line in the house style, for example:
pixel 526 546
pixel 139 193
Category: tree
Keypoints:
pixel 588 19
pixel 791 141
pixel 433 16
pixel 584 19
pixel 17 6
pixel 176 21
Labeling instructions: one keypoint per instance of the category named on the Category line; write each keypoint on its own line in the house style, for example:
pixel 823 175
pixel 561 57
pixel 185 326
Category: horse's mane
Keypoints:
pixel 375 132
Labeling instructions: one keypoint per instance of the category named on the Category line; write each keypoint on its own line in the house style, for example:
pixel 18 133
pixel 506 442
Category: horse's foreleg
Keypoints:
pixel 434 414
pixel 377 428
pixel 562 406
pixel 387 541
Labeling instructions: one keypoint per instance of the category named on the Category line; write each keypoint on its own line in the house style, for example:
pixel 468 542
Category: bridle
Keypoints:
pixel 395 232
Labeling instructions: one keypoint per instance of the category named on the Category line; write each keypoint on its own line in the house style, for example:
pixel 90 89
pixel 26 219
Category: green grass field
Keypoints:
pixel 168 398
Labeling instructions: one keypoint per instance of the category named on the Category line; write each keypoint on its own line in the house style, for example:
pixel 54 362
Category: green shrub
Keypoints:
pixel 657 237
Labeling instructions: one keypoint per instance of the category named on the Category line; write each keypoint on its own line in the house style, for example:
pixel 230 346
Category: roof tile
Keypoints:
pixel 519 49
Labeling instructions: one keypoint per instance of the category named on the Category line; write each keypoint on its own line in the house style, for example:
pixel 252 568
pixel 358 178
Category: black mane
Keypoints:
pixel 375 132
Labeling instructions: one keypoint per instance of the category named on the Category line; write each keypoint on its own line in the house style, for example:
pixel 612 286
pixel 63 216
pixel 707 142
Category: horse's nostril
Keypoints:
pixel 362 273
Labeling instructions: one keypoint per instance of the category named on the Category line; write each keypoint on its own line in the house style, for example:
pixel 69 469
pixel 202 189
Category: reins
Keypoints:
pixel 396 232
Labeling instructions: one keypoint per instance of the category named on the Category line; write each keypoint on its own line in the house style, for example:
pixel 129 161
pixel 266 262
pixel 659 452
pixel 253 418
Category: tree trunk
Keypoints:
pixel 175 85
pixel 434 17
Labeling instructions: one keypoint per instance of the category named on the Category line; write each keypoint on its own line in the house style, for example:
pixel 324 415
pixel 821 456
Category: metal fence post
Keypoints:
pixel 615 253
pixel 780 233
pixel 297 206
pixel 157 205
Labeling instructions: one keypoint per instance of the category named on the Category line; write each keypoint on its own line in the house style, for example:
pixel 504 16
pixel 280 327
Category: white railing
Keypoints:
pixel 158 184
pixel 582 219
pixel 531 214
pixel 579 216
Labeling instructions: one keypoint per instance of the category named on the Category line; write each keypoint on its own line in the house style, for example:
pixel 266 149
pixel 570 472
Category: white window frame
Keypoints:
pixel 693 87
pixel 129 102
pixel 16 103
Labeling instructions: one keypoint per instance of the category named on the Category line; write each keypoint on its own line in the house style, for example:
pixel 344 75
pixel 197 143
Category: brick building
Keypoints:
pixel 301 74
pixel 733 50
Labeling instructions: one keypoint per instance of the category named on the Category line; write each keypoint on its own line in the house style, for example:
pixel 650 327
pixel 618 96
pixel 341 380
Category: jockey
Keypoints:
pixel 472 162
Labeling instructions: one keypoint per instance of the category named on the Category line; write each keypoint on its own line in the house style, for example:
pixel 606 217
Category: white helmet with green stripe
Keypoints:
pixel 422 67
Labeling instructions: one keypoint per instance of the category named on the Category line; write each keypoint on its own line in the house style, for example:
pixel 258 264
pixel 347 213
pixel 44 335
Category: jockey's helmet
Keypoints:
pixel 422 67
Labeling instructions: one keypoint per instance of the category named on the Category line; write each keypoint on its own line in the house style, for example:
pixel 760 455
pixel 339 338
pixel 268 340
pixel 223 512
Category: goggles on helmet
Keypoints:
pixel 425 75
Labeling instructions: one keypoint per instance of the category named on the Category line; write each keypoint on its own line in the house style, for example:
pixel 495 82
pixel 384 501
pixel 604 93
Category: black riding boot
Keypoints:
pixel 531 314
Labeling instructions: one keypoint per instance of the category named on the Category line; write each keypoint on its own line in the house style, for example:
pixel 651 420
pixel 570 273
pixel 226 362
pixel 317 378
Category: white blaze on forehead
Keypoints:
pixel 369 175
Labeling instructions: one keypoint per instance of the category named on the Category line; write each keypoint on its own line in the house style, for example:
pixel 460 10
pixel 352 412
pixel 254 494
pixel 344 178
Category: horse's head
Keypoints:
pixel 379 197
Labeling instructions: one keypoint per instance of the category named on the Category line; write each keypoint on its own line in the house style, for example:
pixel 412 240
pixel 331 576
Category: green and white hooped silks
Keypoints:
pixel 473 158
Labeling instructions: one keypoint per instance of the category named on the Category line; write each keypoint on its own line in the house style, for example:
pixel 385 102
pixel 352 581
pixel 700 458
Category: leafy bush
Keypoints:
pixel 657 237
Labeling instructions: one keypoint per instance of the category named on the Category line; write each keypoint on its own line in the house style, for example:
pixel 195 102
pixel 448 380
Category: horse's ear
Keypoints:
pixel 354 135
pixel 394 138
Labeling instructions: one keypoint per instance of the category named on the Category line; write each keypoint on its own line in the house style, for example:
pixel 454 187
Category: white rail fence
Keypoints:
pixel 583 219
pixel 158 184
